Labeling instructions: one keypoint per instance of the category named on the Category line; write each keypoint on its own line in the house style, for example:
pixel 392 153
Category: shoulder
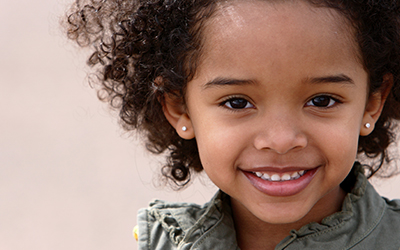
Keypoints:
pixel 386 233
pixel 170 225
pixel 393 205
pixel 390 222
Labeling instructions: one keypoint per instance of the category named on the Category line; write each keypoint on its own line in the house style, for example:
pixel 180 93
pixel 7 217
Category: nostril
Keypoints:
pixel 280 143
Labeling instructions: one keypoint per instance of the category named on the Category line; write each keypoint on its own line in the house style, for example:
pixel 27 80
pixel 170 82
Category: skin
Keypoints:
pixel 252 107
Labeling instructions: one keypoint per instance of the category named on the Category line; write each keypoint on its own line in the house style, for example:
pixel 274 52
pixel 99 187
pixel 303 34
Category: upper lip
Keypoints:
pixel 278 169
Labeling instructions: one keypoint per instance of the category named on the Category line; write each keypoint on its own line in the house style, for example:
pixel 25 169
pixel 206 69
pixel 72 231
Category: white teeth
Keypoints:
pixel 266 177
pixel 277 177
pixel 295 175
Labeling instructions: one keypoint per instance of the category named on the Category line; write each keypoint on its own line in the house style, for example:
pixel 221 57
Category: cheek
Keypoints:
pixel 341 134
pixel 342 150
pixel 219 147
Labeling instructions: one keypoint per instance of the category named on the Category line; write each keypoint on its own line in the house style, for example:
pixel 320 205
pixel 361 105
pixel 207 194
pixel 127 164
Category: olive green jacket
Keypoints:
pixel 367 221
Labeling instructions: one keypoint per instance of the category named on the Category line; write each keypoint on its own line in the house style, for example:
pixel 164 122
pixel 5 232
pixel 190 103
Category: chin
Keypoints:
pixel 284 219
pixel 283 214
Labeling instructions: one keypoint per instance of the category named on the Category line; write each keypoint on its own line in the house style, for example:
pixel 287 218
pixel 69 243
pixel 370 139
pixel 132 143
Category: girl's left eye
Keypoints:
pixel 237 103
pixel 323 101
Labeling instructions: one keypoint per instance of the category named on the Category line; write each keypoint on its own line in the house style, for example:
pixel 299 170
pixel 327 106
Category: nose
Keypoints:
pixel 280 134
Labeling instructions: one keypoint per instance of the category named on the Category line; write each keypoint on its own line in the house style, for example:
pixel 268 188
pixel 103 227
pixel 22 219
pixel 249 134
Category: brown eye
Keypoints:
pixel 238 103
pixel 322 101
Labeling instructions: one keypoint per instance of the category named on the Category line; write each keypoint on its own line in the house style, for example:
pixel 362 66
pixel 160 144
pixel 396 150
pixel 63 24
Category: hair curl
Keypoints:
pixel 137 41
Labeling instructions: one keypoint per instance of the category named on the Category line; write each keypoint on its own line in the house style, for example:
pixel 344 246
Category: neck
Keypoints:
pixel 251 232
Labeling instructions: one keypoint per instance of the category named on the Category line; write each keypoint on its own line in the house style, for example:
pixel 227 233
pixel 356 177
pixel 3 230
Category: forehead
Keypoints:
pixel 241 12
pixel 289 25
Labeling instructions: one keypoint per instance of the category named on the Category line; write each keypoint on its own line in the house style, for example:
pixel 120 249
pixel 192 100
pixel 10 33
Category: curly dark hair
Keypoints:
pixel 137 41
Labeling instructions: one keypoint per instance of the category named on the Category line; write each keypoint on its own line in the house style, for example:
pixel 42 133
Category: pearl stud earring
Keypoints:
pixel 367 125
pixel 184 128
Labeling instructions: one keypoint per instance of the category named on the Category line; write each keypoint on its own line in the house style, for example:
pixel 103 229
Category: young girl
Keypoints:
pixel 273 99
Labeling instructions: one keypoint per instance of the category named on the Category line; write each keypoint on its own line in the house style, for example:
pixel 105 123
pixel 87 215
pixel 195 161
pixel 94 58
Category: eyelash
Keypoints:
pixel 332 102
pixel 228 103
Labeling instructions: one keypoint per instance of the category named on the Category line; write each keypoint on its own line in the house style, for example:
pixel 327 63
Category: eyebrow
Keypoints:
pixel 221 81
pixel 341 78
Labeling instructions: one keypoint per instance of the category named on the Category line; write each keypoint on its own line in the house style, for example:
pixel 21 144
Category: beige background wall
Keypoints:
pixel 69 177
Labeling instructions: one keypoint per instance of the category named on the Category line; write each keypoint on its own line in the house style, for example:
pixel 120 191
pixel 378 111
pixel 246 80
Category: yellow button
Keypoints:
pixel 135 232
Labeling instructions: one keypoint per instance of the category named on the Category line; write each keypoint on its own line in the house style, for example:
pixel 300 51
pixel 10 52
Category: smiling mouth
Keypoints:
pixel 276 183
pixel 279 178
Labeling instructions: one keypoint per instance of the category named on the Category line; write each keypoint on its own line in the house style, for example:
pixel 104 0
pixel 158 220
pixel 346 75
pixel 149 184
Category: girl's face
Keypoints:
pixel 277 106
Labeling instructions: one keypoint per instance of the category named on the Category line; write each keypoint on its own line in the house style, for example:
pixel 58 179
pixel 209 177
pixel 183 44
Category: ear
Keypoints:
pixel 375 104
pixel 177 116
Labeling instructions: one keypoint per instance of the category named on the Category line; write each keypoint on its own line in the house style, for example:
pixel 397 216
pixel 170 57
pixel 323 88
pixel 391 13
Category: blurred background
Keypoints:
pixel 70 178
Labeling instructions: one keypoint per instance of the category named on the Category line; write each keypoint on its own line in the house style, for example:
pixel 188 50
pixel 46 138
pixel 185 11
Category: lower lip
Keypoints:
pixel 281 188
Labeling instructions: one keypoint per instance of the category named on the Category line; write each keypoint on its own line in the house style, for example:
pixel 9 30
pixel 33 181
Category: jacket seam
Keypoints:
pixel 148 229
